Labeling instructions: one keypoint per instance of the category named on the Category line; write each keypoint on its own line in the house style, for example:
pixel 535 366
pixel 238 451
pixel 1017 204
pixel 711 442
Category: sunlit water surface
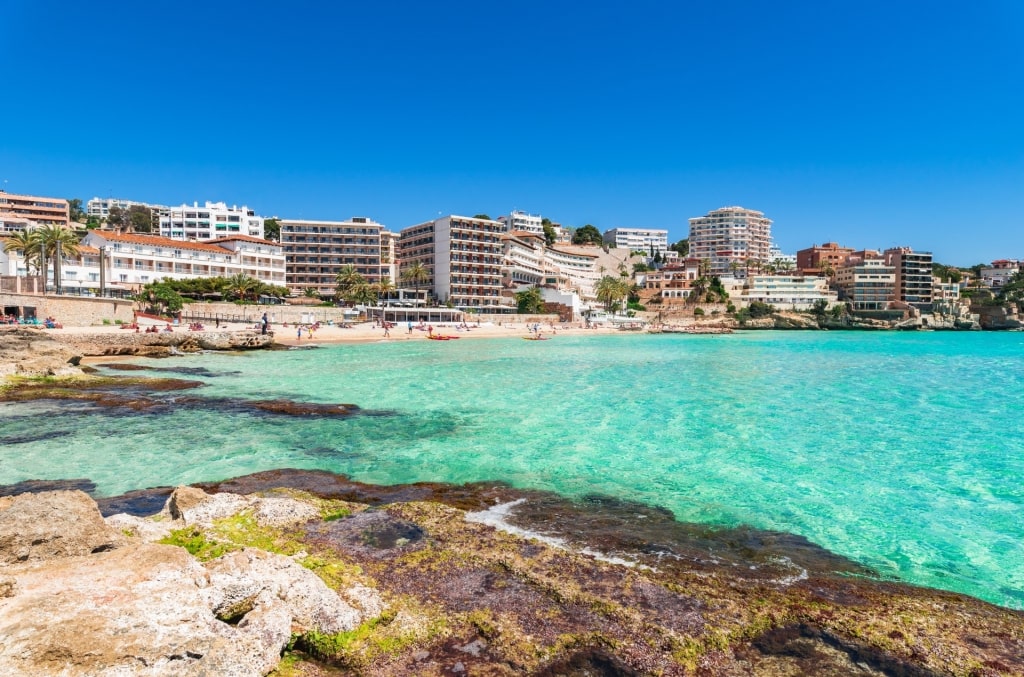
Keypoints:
pixel 902 451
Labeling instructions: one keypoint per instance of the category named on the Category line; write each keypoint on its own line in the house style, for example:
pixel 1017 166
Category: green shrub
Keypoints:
pixel 698 312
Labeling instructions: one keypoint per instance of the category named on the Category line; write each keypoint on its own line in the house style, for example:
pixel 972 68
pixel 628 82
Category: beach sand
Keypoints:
pixel 365 332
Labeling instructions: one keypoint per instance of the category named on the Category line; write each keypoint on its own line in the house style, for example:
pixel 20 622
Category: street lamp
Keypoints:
pixel 103 271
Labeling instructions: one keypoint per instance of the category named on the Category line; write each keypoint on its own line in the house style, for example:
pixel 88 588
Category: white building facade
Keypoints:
pixel 647 240
pixel 100 207
pixel 787 292
pixel 211 221
pixel 522 222
pixel 135 260
pixel 731 238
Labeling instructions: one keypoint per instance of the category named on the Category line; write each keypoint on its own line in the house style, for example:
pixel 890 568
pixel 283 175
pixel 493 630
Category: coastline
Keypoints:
pixel 446 579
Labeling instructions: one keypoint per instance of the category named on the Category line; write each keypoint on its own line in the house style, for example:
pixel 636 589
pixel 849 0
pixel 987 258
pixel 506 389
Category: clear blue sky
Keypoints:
pixel 873 123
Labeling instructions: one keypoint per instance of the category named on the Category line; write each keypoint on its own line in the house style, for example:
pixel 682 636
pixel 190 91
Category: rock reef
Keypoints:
pixel 355 579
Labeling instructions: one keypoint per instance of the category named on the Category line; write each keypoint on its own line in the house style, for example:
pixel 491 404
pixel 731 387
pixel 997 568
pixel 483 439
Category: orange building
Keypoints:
pixel 810 261
pixel 41 210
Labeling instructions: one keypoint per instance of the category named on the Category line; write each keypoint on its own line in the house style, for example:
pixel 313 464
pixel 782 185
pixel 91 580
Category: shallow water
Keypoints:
pixel 901 451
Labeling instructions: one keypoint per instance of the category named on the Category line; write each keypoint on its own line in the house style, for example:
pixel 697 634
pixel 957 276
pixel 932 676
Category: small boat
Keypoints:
pixel 536 338
pixel 437 337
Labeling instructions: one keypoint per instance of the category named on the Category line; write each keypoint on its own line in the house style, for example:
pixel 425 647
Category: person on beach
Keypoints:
pixel 265 322
pixel 387 330
pixel 410 326
pixel 298 333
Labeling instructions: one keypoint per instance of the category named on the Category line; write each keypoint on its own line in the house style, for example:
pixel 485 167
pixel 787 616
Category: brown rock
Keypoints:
pixel 53 524
pixel 183 499
pixel 33 352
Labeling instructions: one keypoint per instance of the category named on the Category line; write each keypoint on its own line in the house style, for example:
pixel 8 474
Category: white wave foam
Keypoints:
pixel 497 517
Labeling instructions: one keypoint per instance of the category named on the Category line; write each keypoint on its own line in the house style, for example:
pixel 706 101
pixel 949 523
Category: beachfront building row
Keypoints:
pixel 316 251
pixel 731 239
pixel 131 260
pixel 210 221
pixel 911 272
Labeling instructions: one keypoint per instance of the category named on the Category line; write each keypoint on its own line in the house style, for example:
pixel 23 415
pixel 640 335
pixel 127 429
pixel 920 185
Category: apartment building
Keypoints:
pixel 810 261
pixel 866 281
pixel 316 251
pixel 10 223
pixel 100 207
pixel 37 209
pixel 524 264
pixel 731 235
pixel 211 221
pixel 999 273
pixel 463 257
pixel 134 260
pixel 913 276
pixel 518 221
pixel 647 240
pixel 788 292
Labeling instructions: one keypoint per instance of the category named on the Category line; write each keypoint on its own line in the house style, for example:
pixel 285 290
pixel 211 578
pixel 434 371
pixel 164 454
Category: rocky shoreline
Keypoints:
pixel 34 352
pixel 306 573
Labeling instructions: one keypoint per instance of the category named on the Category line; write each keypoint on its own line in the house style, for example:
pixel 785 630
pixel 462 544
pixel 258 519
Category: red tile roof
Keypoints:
pixel 159 241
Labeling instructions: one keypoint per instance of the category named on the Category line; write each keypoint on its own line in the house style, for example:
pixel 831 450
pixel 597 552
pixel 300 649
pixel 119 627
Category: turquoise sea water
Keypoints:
pixel 904 452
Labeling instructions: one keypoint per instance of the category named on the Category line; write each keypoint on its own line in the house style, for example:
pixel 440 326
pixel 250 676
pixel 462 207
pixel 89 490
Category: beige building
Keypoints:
pixel 866 281
pixel 39 210
pixel 316 251
pixel 732 239
pixel 463 256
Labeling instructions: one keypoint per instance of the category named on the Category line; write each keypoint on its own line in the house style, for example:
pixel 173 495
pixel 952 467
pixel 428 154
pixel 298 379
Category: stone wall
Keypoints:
pixel 71 311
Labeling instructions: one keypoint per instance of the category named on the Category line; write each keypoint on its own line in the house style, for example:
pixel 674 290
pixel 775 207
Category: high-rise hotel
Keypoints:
pixel 731 235
pixel 463 257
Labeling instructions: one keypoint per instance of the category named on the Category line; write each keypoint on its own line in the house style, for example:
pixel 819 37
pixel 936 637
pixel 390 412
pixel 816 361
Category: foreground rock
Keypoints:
pixel 78 598
pixel 34 352
pixel 412 586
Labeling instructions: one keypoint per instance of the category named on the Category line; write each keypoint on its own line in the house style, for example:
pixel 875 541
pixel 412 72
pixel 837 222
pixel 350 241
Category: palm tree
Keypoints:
pixel 51 239
pixel 347 279
pixel 361 293
pixel 416 273
pixel 611 290
pixel 27 244
pixel 384 287
pixel 242 286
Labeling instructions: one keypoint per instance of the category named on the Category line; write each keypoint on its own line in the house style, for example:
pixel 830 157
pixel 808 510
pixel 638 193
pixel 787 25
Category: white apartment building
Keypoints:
pixel 524 259
pixel 100 207
pixel 464 258
pixel 316 251
pixel 211 221
pixel 134 260
pixel 782 262
pixel 731 235
pixel 647 240
pixel 787 292
pixel 518 221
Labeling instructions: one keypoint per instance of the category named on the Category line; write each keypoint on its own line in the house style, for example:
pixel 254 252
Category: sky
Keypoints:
pixel 870 123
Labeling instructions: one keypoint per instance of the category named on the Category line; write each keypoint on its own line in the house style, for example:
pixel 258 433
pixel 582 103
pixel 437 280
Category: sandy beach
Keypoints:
pixel 366 332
